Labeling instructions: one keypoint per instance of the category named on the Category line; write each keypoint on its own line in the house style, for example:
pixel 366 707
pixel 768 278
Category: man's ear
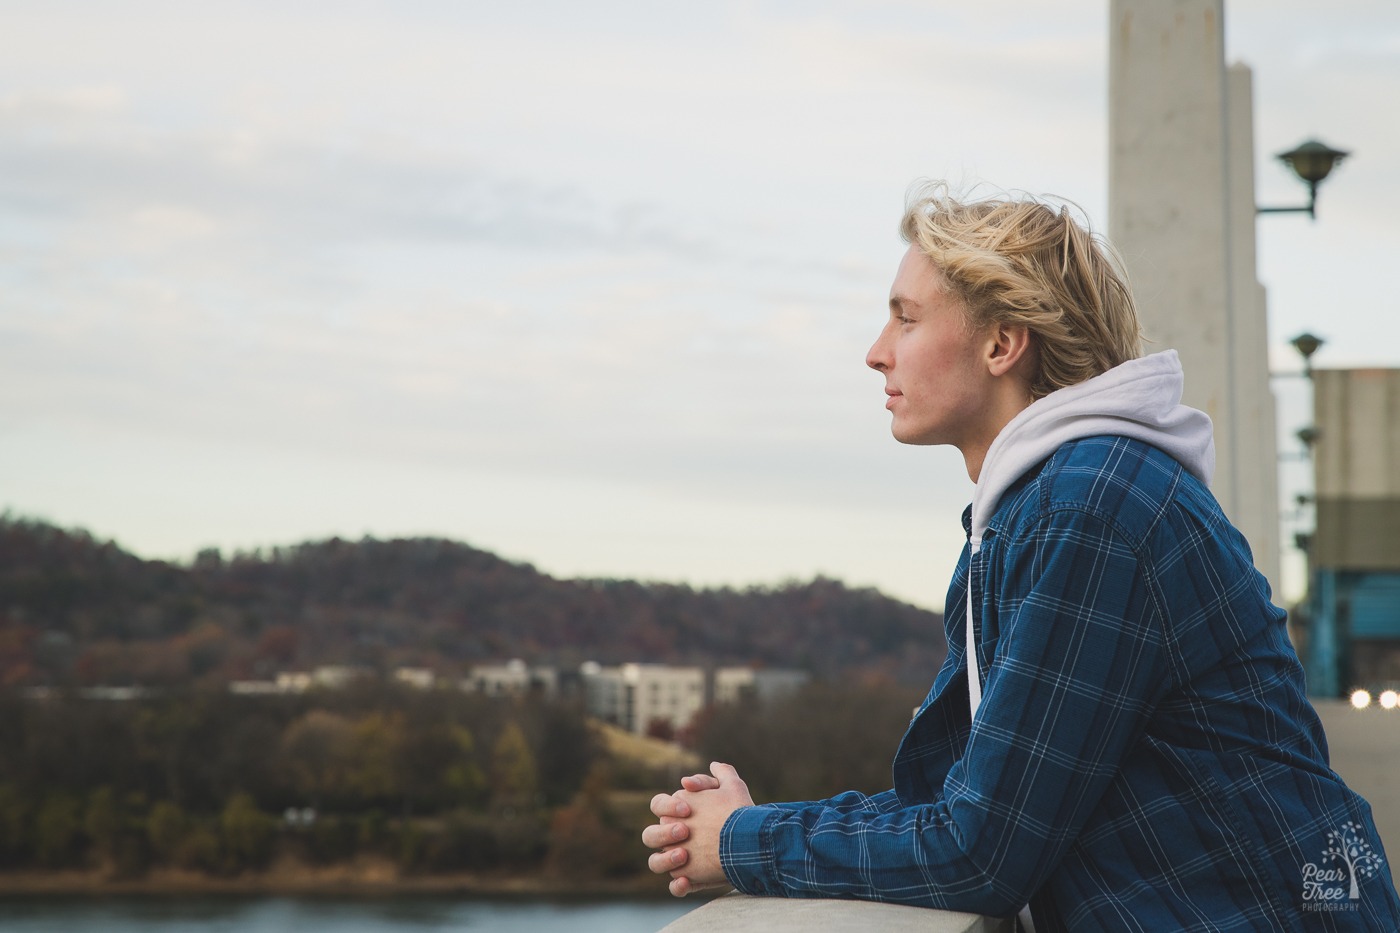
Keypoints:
pixel 1008 347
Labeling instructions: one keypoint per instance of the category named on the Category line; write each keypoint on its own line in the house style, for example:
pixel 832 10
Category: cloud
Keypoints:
pixel 219 285
pixel 45 107
pixel 621 247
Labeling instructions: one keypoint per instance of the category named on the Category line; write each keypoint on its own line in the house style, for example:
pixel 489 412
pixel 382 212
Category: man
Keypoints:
pixel 1128 745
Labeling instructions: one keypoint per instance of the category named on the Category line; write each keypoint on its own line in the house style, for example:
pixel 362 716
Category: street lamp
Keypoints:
pixel 1307 344
pixel 1311 161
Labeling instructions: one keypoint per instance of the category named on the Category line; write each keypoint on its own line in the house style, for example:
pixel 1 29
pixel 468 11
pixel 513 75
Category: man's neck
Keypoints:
pixel 1010 401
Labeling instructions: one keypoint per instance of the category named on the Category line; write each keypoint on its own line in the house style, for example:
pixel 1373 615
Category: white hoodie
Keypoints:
pixel 1140 399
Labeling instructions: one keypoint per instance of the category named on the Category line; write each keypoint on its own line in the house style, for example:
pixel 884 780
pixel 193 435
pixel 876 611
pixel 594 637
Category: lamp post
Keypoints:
pixel 1312 161
pixel 1318 644
pixel 1307 344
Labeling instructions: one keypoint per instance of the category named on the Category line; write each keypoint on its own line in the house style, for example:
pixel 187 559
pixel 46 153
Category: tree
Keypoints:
pixel 57 831
pixel 277 645
pixel 463 779
pixel 14 824
pixel 103 823
pixel 246 831
pixel 117 842
pixel 166 829
pixel 320 751
pixel 815 743
pixel 513 778
pixel 566 749
pixel 586 839
pixel 440 767
pixel 378 756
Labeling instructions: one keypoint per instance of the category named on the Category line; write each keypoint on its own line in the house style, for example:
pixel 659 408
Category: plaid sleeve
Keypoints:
pixel 1077 664
pixel 849 802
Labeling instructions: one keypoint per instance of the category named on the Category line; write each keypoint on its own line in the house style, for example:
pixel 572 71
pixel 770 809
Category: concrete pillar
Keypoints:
pixel 1254 446
pixel 1181 211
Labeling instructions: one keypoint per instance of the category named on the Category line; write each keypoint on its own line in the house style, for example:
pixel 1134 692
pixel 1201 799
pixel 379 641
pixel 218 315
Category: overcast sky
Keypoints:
pixel 587 285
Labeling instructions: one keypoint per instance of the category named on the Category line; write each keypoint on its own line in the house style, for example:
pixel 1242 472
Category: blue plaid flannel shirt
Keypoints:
pixel 1144 757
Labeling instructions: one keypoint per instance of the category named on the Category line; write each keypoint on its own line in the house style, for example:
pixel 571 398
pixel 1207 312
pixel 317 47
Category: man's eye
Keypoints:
pixel 905 320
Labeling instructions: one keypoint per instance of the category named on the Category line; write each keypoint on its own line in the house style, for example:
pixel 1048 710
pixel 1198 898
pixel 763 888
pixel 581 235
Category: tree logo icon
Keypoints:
pixel 1349 846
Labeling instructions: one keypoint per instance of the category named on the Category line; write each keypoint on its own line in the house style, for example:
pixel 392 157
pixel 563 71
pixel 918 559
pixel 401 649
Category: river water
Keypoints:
pixel 332 915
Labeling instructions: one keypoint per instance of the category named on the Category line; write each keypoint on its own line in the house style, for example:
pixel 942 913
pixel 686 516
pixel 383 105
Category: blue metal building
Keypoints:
pixel 1353 630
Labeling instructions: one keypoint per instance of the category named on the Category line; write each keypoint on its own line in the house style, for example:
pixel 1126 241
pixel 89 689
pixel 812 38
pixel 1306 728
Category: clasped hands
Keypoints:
pixel 689 821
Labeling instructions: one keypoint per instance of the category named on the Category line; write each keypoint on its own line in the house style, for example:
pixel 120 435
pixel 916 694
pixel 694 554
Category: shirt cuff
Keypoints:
pixel 746 850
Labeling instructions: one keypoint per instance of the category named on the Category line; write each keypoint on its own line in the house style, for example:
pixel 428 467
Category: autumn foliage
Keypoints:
pixel 184 774
pixel 76 611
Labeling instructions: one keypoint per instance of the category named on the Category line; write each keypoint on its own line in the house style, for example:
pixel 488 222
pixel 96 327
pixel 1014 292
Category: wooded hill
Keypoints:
pixel 77 611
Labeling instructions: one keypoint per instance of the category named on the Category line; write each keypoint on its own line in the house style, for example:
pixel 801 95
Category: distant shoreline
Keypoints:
pixel 358 880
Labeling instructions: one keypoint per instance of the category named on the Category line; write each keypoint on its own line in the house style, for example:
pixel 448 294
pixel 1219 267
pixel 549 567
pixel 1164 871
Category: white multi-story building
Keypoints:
pixel 746 684
pixel 420 677
pixel 513 677
pixel 640 696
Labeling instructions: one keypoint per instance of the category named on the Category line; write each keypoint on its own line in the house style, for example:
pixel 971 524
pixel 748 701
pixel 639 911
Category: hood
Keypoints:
pixel 1140 399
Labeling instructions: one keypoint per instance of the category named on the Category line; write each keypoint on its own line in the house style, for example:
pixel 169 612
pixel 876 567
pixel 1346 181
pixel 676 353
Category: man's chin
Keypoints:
pixel 913 436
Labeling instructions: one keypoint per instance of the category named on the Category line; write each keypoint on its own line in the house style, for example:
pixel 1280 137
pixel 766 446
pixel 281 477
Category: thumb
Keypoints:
pixel 723 773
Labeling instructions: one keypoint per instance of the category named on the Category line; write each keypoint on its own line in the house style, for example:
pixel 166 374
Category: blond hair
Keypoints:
pixel 1020 261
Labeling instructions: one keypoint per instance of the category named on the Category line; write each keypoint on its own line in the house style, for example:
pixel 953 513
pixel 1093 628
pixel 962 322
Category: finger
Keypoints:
pixel 682 886
pixel 698 782
pixel 660 835
pixel 669 805
pixel 709 886
pixel 724 773
pixel 668 861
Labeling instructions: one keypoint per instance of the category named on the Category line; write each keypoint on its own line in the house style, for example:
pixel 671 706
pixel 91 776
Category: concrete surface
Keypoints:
pixel 1365 746
pixel 782 915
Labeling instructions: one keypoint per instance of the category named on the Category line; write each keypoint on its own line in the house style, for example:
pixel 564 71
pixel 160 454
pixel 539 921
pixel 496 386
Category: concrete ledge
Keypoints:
pixel 793 915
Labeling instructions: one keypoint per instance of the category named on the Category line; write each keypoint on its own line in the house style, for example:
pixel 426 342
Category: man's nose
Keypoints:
pixel 878 357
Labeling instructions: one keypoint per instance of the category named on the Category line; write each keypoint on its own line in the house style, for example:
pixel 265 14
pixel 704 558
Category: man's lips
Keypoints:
pixel 893 394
